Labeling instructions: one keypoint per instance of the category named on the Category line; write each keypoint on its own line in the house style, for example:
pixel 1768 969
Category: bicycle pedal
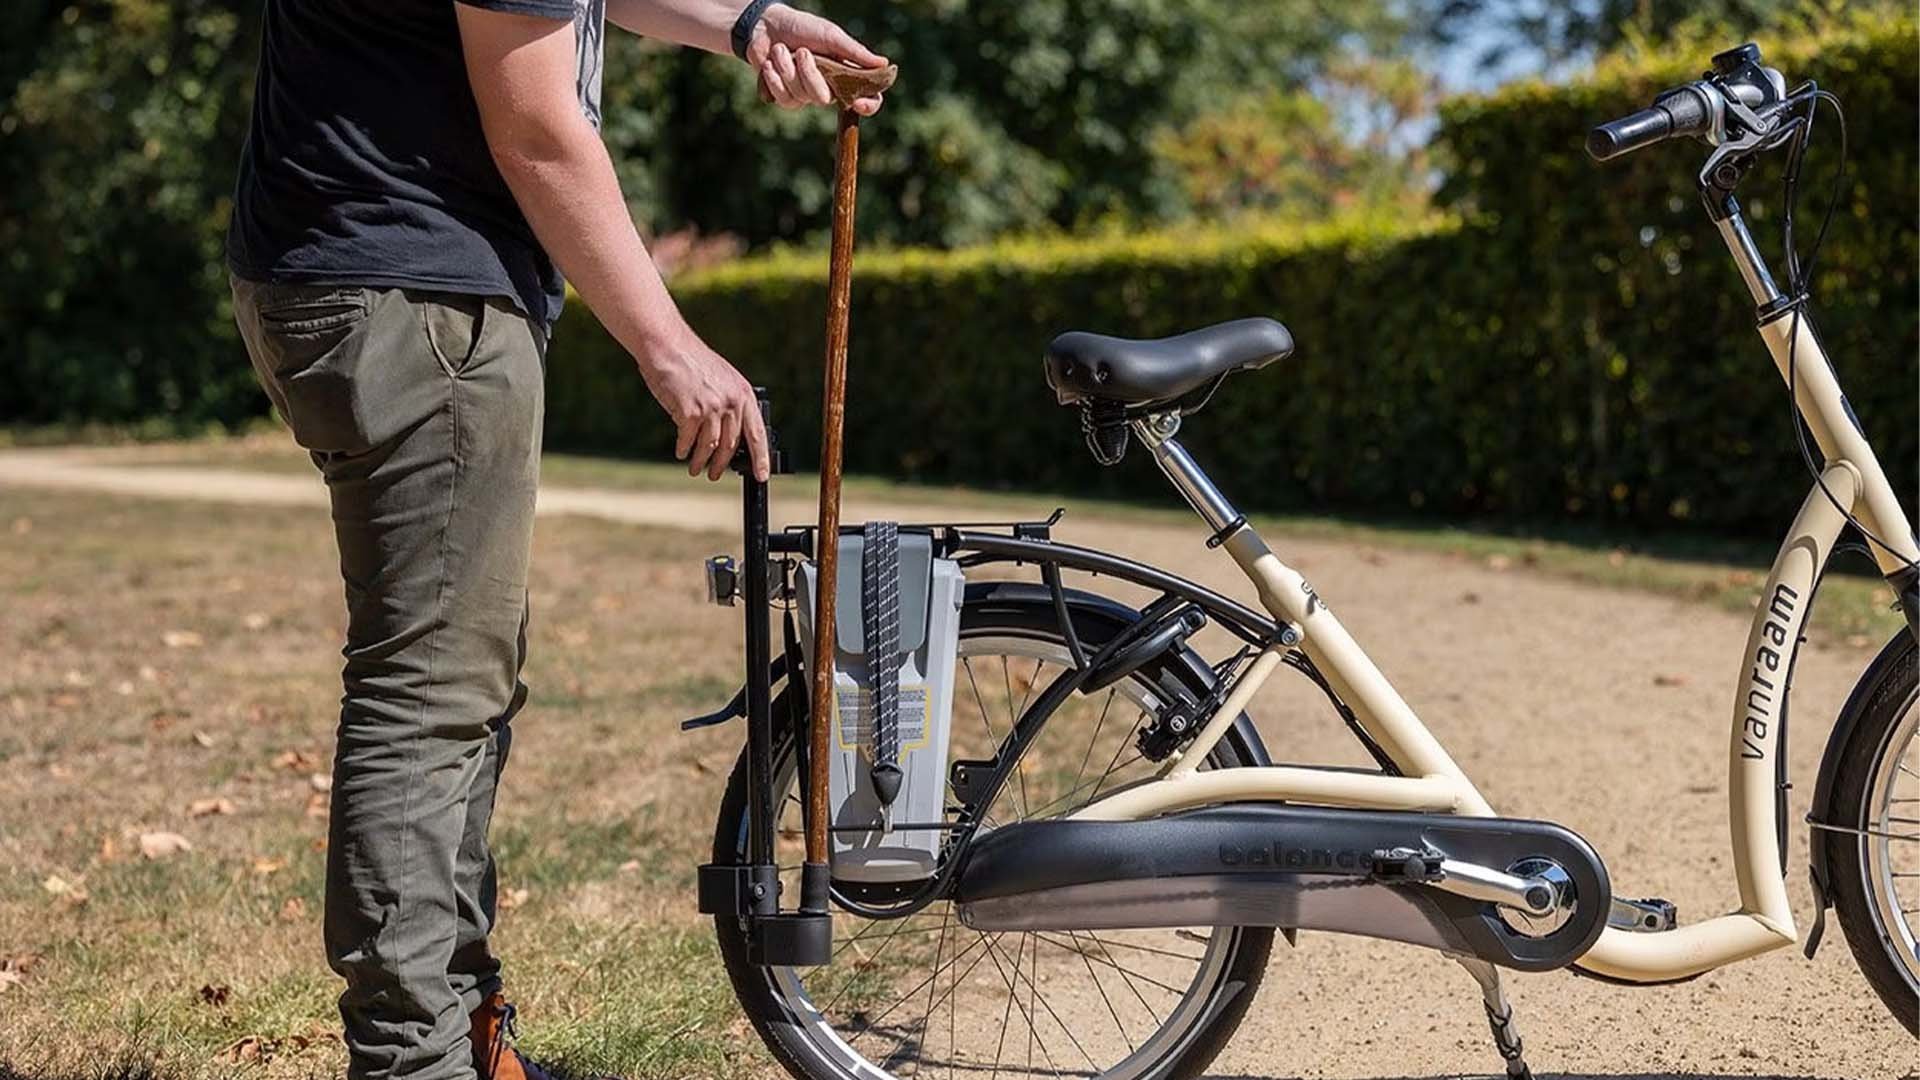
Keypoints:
pixel 1650 916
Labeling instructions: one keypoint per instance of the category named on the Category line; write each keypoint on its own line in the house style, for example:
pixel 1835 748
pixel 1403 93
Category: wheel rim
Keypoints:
pixel 1113 1004
pixel 1891 846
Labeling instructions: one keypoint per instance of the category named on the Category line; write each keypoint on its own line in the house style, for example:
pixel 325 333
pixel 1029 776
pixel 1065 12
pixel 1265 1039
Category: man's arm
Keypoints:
pixel 781 49
pixel 523 69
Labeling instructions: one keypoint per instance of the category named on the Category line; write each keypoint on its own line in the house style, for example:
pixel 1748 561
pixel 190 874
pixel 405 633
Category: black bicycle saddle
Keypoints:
pixel 1084 367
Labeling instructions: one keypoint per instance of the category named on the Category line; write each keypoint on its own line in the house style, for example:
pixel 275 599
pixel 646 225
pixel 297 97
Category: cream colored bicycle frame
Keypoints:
pixel 1432 781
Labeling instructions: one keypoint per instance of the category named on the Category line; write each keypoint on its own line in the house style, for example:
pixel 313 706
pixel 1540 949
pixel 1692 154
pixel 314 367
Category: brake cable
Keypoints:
pixel 1799 287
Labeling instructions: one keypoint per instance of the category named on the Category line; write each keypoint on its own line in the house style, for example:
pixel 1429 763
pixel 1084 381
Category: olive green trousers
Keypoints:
pixel 423 413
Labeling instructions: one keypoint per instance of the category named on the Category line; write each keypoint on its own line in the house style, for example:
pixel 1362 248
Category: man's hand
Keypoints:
pixel 523 70
pixel 712 406
pixel 782 49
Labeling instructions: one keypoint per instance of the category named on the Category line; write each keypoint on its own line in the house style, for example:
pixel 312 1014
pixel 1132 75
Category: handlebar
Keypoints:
pixel 1675 114
pixel 1739 97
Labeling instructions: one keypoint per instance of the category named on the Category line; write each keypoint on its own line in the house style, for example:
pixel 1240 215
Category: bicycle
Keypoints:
pixel 1145 884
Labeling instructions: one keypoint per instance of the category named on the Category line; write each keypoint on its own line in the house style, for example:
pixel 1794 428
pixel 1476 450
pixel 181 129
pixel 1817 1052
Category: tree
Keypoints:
pixel 118 137
pixel 1009 115
pixel 1552 33
pixel 1349 139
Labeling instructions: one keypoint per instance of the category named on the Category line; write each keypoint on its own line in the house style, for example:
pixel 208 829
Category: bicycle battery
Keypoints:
pixel 896 634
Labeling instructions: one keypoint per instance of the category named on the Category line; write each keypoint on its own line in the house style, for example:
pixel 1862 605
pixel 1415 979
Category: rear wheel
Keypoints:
pixel 1874 860
pixel 924 995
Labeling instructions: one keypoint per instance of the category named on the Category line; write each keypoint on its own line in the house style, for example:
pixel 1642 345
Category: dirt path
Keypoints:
pixel 1604 710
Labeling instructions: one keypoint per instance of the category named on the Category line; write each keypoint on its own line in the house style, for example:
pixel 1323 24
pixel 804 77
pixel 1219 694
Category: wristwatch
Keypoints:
pixel 742 34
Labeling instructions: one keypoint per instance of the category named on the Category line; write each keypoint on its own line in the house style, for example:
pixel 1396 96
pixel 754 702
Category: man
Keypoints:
pixel 417 176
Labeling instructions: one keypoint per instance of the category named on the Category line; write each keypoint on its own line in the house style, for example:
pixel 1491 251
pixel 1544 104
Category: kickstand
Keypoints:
pixel 1499 1016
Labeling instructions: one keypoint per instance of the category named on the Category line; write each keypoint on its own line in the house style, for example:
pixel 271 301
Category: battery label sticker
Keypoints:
pixel 853 708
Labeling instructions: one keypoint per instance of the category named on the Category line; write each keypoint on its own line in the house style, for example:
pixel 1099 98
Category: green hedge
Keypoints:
pixel 1571 341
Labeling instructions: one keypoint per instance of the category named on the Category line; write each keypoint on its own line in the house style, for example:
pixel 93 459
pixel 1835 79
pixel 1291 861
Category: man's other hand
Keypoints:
pixel 712 406
pixel 784 43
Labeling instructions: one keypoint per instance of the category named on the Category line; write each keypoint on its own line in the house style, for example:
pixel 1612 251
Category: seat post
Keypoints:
pixel 1157 433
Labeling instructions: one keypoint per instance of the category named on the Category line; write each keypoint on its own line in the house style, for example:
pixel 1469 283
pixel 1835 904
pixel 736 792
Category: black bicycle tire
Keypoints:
pixel 1878 703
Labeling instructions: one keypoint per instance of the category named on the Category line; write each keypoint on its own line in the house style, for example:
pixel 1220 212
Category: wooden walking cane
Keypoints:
pixel 848 84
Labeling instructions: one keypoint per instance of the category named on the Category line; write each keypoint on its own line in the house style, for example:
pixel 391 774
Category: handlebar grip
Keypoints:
pixel 1684 110
pixel 1629 133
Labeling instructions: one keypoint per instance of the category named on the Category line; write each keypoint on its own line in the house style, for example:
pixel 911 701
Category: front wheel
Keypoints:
pixel 1873 852
pixel 925 995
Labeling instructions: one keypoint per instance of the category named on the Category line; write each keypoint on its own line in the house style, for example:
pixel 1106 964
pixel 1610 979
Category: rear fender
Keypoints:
pixel 1105 616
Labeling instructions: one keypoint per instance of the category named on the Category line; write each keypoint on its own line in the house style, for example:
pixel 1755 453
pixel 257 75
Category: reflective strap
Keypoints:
pixel 880 616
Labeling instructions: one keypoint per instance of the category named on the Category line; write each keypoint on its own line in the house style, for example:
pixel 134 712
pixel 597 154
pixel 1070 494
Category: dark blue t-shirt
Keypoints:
pixel 365 163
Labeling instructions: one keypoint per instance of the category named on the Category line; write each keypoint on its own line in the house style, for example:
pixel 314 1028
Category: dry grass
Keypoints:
pixel 160 655
pixel 1726 572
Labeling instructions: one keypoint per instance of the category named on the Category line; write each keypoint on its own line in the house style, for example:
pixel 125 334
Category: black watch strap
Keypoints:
pixel 742 34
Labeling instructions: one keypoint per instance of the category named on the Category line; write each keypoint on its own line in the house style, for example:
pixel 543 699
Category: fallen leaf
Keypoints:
pixel 59 771
pixel 317 805
pixel 71 893
pixel 181 639
pixel 293 910
pixel 148 673
pixel 630 866
pixel 1671 680
pixel 265 865
pixel 124 688
pixel 1499 562
pixel 247 1048
pixel 320 782
pixel 215 996
pixel 22 526
pixel 163 845
pixel 209 807
pixel 294 760
pixel 13 969
pixel 203 740
pixel 109 848
pixel 1616 558
pixel 75 678
pixel 64 700
pixel 254 620
pixel 513 898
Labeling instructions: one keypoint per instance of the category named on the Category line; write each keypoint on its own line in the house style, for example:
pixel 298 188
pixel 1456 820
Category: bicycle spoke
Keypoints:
pixel 1136 948
pixel 1117 751
pixel 900 924
pixel 967 662
pixel 1006 1016
pixel 910 994
pixel 1127 976
pixel 1093 783
pixel 1104 999
pixel 919 1051
pixel 1081 772
pixel 1013 727
pixel 881 975
pixel 1013 998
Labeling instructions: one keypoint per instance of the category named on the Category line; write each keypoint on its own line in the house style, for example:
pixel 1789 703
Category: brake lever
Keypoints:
pixel 1761 130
